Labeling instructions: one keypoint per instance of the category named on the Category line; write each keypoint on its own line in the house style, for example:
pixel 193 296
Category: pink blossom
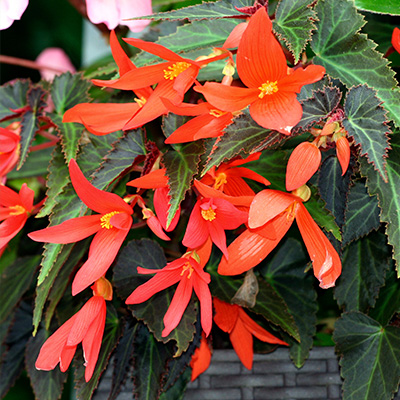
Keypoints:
pixel 10 11
pixel 55 59
pixel 117 12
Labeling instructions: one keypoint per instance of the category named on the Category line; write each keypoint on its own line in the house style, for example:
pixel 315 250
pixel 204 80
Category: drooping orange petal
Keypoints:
pixel 122 60
pixel 187 108
pixel 9 229
pixel 300 77
pixel 153 180
pixel 235 36
pixel 343 153
pixel 228 215
pixel 279 111
pixel 225 314
pixel 161 200
pixel 204 252
pixel 196 231
pixel 8 197
pixel 302 165
pixel 242 342
pixel 260 58
pixel 66 356
pixel 204 295
pixel 154 224
pixel 266 205
pixel 201 358
pixel 218 236
pixel 185 80
pixel 247 173
pixel 396 39
pixel 227 98
pixel 326 262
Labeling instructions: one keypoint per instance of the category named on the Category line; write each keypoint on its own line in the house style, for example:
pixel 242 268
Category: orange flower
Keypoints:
pixel 396 39
pixel 271 85
pixel 201 358
pixel 232 319
pixel 9 151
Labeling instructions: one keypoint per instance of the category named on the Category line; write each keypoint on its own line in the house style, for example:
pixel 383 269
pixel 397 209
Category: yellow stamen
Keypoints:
pixel 105 219
pixel 220 180
pixel 217 113
pixel 18 210
pixel 208 215
pixel 291 212
pixel 268 88
pixel 185 267
pixel 173 71
pixel 141 101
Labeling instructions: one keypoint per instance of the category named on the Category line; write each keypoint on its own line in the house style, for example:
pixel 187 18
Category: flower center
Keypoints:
pixel 18 210
pixel 268 88
pixel 105 219
pixel 141 101
pixel 209 214
pixel 174 70
pixel 185 267
pixel 217 113
pixel 220 180
pixel 291 212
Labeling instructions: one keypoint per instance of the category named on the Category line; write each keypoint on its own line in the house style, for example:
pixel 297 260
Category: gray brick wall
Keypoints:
pixel 273 377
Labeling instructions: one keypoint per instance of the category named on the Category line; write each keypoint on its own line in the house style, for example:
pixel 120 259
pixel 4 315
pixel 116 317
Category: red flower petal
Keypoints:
pixel 242 342
pixel 8 197
pixel 235 36
pixel 300 77
pixel 226 314
pixel 201 358
pixel 197 229
pixel 218 237
pixel 9 229
pixel 396 39
pixel 161 206
pixel 204 252
pixel 204 295
pixel 187 108
pixel 247 173
pixel 153 180
pixel 260 57
pixel 66 356
pixel 343 153
pixel 302 165
pixel 228 216
pixel 123 61
pixel 154 224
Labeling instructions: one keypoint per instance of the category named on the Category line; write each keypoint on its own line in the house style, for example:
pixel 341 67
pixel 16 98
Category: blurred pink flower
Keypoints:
pixel 115 12
pixel 10 11
pixel 54 58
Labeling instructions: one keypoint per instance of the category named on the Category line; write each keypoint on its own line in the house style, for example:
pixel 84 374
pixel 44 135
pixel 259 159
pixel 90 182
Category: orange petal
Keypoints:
pixel 123 61
pixel 300 77
pixel 153 180
pixel 201 358
pixel 235 36
pixel 302 165
pixel 187 108
pixel 242 342
pixel 343 153
pixel 396 39
pixel 226 314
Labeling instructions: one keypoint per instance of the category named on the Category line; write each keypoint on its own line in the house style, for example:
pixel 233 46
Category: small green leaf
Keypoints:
pixel 30 122
pixel 308 91
pixel 388 194
pixel 294 23
pixel 285 272
pixel 35 165
pixel 15 281
pixel 318 107
pixel 181 166
pixel 364 263
pixel 365 121
pixel 391 7
pixel 112 332
pixel 45 384
pixel 362 213
pixel 269 303
pixel 350 56
pixel 148 254
pixel 13 97
pixel 370 357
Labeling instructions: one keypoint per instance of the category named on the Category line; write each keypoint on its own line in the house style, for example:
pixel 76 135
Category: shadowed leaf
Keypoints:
pixel 381 7
pixel 13 97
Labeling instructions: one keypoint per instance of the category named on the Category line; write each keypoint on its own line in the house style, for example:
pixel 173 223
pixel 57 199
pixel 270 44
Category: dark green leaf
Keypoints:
pixel 350 56
pixel 181 166
pixel 285 272
pixel 362 213
pixel 30 122
pixel 364 263
pixel 148 254
pixel 294 23
pixel 318 107
pixel 69 90
pixel 365 121
pixel 12 361
pixel 308 91
pixel 381 7
pixel 172 122
pixel 13 97
pixel 269 303
pixel 177 391
pixel 370 362
pixel 388 301
pixel 321 215
pixel 45 384
pixel 112 331
pixel 244 135
pixel 333 187
pixel 388 194
pixel 15 281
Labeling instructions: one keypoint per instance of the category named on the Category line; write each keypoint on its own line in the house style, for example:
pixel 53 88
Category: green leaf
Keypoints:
pixel 365 121
pixel 69 90
pixel 13 97
pixel 243 136
pixel 269 303
pixel 308 91
pixel 350 56
pixel 370 361
pixel 148 254
pixel 318 107
pixel 30 122
pixel 36 164
pixel 181 166
pixel 362 213
pixel 15 281
pixel 112 332
pixel 45 384
pixel 364 263
pixel 388 194
pixel 321 215
pixel 294 23
pixel 177 391
pixel 333 187
pixel 381 7
pixel 285 272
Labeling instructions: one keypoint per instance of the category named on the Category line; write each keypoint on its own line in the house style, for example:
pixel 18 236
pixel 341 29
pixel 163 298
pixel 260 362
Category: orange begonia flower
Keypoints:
pixel 188 271
pixel 271 85
pixel 396 39
pixel 343 153
pixel 201 358
pixel 272 208
pixel 110 227
pixel 86 326
pixel 9 151
pixel 232 319
pixel 14 211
